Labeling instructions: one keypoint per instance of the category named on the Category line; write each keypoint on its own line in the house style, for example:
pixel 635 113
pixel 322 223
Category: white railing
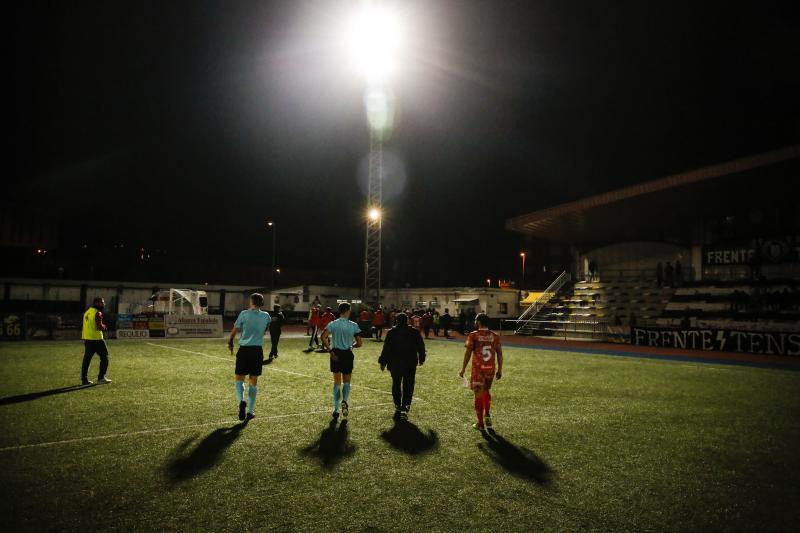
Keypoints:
pixel 530 313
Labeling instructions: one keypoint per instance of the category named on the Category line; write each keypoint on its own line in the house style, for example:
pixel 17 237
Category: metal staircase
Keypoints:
pixel 527 323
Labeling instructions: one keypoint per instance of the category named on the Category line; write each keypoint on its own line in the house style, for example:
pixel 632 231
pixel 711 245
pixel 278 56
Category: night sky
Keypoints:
pixel 186 125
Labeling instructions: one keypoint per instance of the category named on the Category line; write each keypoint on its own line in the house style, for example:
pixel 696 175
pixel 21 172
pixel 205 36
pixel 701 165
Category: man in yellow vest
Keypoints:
pixel 93 342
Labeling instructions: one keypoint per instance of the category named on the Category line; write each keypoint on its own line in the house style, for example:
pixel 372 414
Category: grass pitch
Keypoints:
pixel 583 442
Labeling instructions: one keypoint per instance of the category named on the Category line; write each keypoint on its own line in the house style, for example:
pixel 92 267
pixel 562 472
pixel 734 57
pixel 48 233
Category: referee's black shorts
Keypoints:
pixel 249 360
pixel 344 361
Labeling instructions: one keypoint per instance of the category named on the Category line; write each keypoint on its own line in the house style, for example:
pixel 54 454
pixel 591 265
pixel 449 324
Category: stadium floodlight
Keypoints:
pixel 374 214
pixel 373 38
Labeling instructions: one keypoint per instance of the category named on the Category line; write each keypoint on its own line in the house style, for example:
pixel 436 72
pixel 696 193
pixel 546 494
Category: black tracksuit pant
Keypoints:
pixel 274 338
pixel 89 349
pixel 403 386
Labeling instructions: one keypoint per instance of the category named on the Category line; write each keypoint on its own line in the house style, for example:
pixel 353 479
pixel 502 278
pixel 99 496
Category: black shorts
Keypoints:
pixel 249 360
pixel 344 361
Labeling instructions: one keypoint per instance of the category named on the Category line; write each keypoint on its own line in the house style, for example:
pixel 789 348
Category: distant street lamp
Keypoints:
pixel 271 225
pixel 488 282
pixel 522 283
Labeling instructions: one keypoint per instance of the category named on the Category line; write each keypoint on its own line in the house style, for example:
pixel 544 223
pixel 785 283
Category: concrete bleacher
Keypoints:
pixel 741 304
pixel 587 308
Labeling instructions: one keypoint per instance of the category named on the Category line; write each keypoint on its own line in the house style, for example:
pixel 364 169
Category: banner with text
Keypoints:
pixel 204 326
pixel 719 340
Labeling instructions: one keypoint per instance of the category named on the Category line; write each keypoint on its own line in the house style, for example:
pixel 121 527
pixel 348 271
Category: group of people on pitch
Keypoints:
pixel 403 351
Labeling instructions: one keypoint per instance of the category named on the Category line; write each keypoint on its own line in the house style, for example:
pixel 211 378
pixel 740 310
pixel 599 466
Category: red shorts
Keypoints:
pixel 482 376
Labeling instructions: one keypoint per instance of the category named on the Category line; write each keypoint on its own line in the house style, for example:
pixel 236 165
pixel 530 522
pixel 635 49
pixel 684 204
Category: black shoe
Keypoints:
pixel 335 416
pixel 397 412
pixel 85 381
pixel 250 416
pixel 404 412
pixel 242 407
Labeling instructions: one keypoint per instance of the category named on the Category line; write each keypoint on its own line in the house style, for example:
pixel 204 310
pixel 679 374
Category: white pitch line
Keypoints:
pixel 177 428
pixel 270 368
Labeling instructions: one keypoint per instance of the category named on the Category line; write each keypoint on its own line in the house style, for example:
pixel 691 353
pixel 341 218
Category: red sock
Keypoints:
pixel 479 409
pixel 487 401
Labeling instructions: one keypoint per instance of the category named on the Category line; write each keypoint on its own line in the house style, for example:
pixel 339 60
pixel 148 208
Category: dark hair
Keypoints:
pixel 343 308
pixel 257 299
pixel 482 319
pixel 401 319
pixel 98 300
pixel 276 307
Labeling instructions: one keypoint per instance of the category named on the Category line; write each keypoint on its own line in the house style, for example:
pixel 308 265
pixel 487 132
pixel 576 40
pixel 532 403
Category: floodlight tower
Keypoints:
pixel 373 38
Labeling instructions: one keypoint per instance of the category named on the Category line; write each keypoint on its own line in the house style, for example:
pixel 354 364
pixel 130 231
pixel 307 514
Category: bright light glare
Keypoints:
pixel 380 111
pixel 374 38
pixel 374 214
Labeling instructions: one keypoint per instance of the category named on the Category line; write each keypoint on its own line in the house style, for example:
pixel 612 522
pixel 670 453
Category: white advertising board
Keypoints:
pixel 202 326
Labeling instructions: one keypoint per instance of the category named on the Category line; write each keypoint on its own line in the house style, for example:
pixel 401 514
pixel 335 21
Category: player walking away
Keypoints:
pixel 93 342
pixel 483 348
pixel 275 325
pixel 326 318
pixel 378 322
pixel 403 351
pixel 436 321
pixel 251 324
pixel 339 337
pixel 314 321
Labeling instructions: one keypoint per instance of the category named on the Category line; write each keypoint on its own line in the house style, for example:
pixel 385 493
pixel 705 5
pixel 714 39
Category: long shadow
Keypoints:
pixel 205 455
pixel 8 400
pixel 332 446
pixel 407 437
pixel 518 460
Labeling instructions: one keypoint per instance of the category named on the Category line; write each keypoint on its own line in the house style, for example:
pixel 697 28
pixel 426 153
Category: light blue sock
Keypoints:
pixel 337 393
pixel 346 392
pixel 240 391
pixel 252 390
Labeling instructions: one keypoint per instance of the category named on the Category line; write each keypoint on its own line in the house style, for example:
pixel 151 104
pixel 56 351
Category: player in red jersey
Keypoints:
pixel 326 318
pixel 483 348
pixel 314 322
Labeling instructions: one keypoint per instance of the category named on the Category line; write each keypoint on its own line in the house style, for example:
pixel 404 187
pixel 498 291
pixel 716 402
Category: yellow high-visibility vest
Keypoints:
pixel 90 330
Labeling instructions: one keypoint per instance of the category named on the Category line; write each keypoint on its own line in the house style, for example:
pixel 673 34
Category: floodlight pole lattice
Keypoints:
pixel 372 245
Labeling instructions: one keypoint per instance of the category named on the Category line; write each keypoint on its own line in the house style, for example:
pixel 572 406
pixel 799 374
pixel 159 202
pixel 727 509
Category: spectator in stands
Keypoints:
pixel 593 270
pixel 678 273
pixel 446 321
pixel 462 321
pixel 669 275
pixel 660 274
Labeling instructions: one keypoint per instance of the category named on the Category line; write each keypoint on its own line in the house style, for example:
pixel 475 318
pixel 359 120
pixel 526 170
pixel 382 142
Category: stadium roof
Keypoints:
pixel 662 208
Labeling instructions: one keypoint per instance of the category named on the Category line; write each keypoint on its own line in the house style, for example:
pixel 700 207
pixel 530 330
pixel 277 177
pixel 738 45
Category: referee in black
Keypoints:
pixel 402 351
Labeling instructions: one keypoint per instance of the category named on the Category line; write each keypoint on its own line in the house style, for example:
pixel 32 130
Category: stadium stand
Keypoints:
pixel 714 248
pixel 763 305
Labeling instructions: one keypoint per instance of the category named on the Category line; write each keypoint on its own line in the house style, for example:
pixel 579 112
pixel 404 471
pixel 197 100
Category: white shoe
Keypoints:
pixel 103 380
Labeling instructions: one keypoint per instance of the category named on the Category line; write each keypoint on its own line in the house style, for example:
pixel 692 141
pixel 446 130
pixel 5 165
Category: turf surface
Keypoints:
pixel 583 442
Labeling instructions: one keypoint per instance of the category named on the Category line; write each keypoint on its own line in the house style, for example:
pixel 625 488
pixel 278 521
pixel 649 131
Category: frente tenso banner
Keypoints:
pixel 719 340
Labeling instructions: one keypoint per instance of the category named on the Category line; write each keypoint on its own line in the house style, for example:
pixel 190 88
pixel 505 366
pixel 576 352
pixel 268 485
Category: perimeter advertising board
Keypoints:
pixel 193 326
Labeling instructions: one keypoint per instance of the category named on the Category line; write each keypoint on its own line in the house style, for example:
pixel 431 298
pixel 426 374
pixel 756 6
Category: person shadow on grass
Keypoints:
pixel 8 400
pixel 204 456
pixel 332 446
pixel 407 437
pixel 518 460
